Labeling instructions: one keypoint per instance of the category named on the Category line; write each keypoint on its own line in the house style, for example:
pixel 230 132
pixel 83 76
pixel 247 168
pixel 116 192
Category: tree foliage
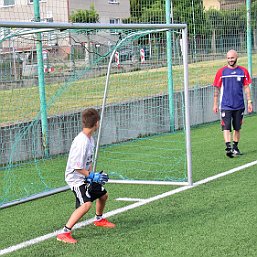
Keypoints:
pixel 153 11
pixel 227 22
pixel 85 16
pixel 221 27
pixel 153 14
pixel 137 6
pixel 192 13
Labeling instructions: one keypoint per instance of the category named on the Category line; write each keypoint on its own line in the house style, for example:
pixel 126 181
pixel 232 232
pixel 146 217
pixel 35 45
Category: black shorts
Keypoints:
pixel 88 193
pixel 234 117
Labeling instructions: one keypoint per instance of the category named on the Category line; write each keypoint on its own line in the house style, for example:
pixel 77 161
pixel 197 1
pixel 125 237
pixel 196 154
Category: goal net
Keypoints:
pixel 133 76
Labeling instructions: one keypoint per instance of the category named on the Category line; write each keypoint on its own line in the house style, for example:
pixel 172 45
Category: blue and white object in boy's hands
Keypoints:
pixel 100 178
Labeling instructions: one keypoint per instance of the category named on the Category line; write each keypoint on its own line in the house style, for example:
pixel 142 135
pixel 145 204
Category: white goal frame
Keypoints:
pixel 187 118
pixel 39 27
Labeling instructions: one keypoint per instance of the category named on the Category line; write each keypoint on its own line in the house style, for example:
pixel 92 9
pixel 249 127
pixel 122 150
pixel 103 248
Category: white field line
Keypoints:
pixel 126 208
pixel 127 199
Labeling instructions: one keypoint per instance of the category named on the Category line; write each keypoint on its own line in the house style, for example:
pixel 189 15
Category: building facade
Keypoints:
pixel 223 4
pixel 211 4
pixel 109 11
pixel 59 11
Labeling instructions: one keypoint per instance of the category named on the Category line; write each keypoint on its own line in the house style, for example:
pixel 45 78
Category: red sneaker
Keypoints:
pixel 104 223
pixel 66 238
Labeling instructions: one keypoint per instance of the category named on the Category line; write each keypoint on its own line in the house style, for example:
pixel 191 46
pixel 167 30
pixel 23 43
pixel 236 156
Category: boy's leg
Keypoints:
pixel 100 205
pixel 83 204
pixel 78 214
pixel 65 235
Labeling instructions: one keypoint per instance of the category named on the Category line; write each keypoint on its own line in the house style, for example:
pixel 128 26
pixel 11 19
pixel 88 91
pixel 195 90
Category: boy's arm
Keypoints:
pixel 84 171
pixel 99 177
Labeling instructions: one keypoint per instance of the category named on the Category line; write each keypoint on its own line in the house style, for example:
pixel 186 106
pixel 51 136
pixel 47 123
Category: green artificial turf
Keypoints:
pixel 214 219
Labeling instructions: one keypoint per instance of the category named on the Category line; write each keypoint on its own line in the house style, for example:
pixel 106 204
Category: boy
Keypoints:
pixel 86 185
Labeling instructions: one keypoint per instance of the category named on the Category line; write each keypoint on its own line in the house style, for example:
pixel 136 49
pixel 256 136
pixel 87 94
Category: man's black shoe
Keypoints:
pixel 236 151
pixel 229 152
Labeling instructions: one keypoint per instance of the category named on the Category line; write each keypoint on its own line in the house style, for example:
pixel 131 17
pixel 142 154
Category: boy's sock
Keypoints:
pixel 66 229
pixel 98 217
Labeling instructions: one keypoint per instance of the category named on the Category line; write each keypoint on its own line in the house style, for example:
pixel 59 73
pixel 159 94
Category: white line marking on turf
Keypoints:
pixel 245 166
pixel 125 199
pixel 126 208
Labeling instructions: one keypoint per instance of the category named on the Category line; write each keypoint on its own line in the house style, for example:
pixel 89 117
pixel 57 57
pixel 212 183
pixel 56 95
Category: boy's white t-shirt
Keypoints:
pixel 80 157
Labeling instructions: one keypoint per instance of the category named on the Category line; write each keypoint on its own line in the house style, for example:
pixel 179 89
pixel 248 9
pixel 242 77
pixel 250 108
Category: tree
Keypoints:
pixel 227 25
pixel 192 13
pixel 137 7
pixel 254 22
pixel 235 25
pixel 85 16
pixel 214 21
pixel 153 14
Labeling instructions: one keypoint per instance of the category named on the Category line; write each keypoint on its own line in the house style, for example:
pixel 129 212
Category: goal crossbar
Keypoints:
pixel 66 25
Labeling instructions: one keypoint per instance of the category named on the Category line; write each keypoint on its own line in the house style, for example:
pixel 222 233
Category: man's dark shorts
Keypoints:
pixel 88 193
pixel 234 117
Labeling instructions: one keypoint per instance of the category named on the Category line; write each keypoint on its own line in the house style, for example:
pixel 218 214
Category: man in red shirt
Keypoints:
pixel 231 81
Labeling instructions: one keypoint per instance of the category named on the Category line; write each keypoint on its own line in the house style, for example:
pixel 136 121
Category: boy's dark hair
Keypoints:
pixel 90 117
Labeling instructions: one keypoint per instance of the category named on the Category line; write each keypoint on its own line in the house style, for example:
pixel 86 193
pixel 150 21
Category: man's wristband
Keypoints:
pixel 249 101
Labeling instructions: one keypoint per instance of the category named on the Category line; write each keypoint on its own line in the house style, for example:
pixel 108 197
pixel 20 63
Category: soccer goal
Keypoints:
pixel 134 76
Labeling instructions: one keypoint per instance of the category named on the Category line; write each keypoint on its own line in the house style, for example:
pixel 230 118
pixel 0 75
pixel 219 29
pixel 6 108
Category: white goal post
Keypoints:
pixel 41 27
pixel 187 118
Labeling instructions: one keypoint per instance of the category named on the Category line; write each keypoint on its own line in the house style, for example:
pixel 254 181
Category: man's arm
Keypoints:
pixel 216 99
pixel 248 98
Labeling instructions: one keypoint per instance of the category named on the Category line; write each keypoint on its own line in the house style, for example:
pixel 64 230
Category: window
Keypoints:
pixel 114 21
pixel 50 19
pixel 113 1
pixel 31 1
pixel 9 2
